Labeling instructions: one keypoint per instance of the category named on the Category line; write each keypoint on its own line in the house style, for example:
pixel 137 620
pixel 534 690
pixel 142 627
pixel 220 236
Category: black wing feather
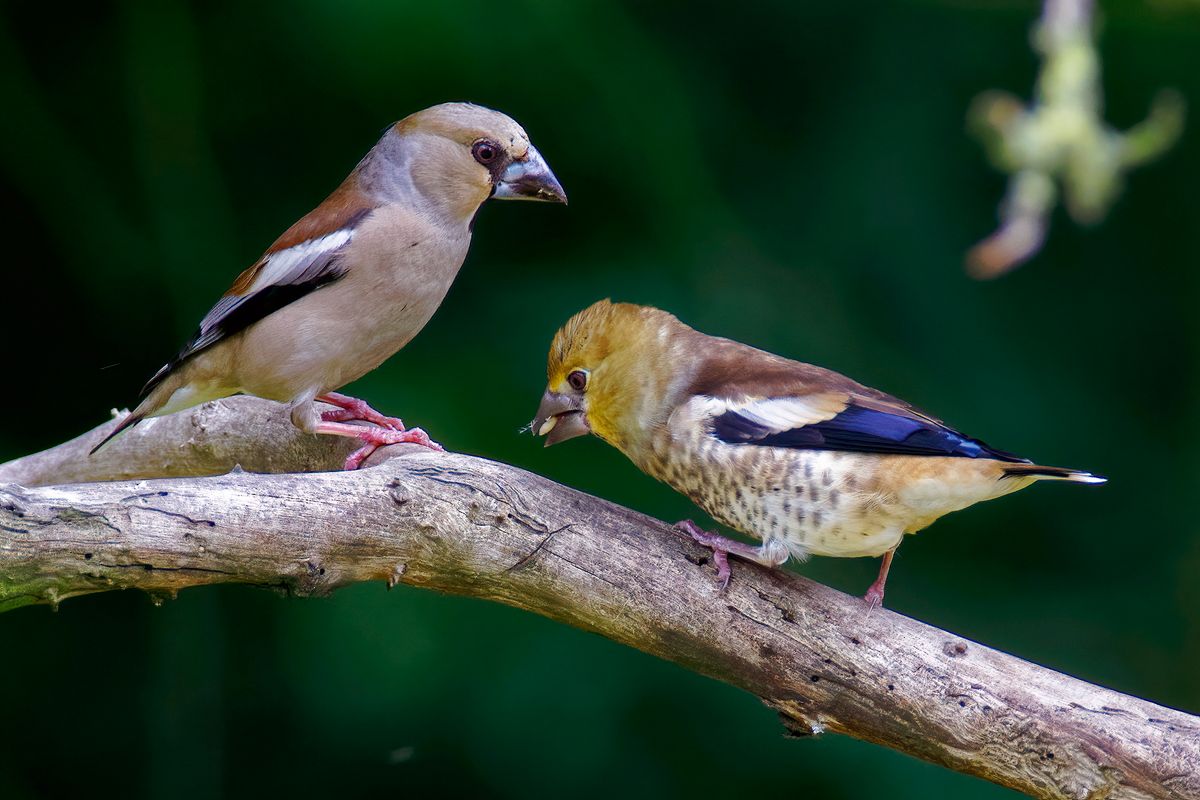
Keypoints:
pixel 234 313
pixel 860 430
pixel 238 316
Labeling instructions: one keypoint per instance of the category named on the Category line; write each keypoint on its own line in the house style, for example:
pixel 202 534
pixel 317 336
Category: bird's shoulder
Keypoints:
pixel 325 229
pixel 306 257
pixel 737 372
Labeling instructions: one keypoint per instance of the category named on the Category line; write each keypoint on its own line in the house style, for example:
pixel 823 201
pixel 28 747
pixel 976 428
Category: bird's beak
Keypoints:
pixel 529 178
pixel 560 417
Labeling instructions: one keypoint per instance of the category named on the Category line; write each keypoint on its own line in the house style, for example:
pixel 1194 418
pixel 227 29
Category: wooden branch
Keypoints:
pixel 474 527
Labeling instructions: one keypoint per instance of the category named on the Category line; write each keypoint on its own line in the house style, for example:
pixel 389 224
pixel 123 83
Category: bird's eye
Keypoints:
pixel 485 152
pixel 577 380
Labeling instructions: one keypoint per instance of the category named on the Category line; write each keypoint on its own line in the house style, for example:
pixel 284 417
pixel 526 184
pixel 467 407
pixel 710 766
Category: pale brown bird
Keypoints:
pixel 806 460
pixel 357 277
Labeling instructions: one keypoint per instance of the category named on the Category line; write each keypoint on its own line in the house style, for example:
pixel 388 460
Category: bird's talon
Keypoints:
pixel 418 436
pixel 351 408
pixel 724 573
pixel 874 595
pixel 374 438
pixel 355 459
pixel 720 556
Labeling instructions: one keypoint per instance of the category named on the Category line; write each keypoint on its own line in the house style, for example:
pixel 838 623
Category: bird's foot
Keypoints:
pixel 378 437
pixel 374 438
pixel 874 596
pixel 351 408
pixel 721 547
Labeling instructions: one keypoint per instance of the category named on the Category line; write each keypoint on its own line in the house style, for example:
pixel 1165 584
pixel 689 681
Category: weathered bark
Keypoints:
pixel 470 526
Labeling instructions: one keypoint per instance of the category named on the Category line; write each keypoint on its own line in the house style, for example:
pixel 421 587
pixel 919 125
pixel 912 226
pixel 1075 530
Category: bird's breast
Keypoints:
pixel 397 274
pixel 815 501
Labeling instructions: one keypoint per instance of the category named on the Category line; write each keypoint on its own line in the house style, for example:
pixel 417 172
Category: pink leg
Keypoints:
pixel 374 438
pixel 721 548
pixel 874 595
pixel 350 408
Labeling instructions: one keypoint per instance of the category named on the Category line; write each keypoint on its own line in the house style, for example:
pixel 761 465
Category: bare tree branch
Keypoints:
pixel 470 526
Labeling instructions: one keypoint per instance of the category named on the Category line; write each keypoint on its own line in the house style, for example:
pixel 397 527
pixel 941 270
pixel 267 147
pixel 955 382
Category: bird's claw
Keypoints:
pixel 721 560
pixel 714 543
pixel 347 415
pixel 351 408
pixel 874 596
pixel 374 438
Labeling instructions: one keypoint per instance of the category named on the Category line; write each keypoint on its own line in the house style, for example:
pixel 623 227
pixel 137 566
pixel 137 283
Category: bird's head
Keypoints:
pixel 457 155
pixel 608 373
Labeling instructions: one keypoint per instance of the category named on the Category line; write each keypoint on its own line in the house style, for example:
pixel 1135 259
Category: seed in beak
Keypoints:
pixel 548 426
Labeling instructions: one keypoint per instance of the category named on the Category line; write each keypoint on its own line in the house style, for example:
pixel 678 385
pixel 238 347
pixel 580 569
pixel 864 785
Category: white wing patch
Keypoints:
pixel 290 265
pixel 297 264
pixel 776 414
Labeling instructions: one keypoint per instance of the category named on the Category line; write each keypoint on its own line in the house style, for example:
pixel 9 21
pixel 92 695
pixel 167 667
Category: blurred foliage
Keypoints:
pixel 1061 139
pixel 793 175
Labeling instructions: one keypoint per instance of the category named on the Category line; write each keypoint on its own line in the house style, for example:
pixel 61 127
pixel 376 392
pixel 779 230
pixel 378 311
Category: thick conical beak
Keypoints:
pixel 560 417
pixel 529 179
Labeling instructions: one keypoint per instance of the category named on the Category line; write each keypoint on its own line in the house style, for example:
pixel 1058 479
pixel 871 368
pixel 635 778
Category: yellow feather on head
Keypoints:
pixel 623 349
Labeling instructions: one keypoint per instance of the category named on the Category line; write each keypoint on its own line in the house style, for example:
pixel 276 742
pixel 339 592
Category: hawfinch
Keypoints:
pixel 356 278
pixel 804 459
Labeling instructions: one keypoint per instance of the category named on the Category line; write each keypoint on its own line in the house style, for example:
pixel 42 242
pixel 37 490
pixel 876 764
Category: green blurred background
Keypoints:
pixel 793 175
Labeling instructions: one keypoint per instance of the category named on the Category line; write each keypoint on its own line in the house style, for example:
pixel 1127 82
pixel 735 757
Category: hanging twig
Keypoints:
pixel 1060 143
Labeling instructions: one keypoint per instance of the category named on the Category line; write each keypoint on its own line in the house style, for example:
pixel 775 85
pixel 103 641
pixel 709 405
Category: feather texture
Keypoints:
pixel 805 459
pixel 279 278
pixel 353 281
pixel 856 429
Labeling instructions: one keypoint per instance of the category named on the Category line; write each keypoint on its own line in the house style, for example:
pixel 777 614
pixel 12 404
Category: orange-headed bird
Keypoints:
pixel 804 459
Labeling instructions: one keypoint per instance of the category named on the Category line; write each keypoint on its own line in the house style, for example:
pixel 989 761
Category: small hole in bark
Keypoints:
pixel 891 687
pixel 854 640
pixel 87 556
pixel 954 649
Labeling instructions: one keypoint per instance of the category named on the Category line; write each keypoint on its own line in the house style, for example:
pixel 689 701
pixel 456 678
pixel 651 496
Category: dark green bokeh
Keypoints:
pixel 796 176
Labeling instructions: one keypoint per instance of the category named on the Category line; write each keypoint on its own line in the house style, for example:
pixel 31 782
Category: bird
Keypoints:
pixel 356 278
pixel 804 459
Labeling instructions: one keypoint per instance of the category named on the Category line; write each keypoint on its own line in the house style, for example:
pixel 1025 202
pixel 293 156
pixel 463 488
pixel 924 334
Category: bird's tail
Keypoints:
pixel 1051 473
pixel 155 401
pixel 129 421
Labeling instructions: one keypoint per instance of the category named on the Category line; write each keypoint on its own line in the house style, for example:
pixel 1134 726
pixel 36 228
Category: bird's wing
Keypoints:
pixel 787 422
pixel 788 404
pixel 305 258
